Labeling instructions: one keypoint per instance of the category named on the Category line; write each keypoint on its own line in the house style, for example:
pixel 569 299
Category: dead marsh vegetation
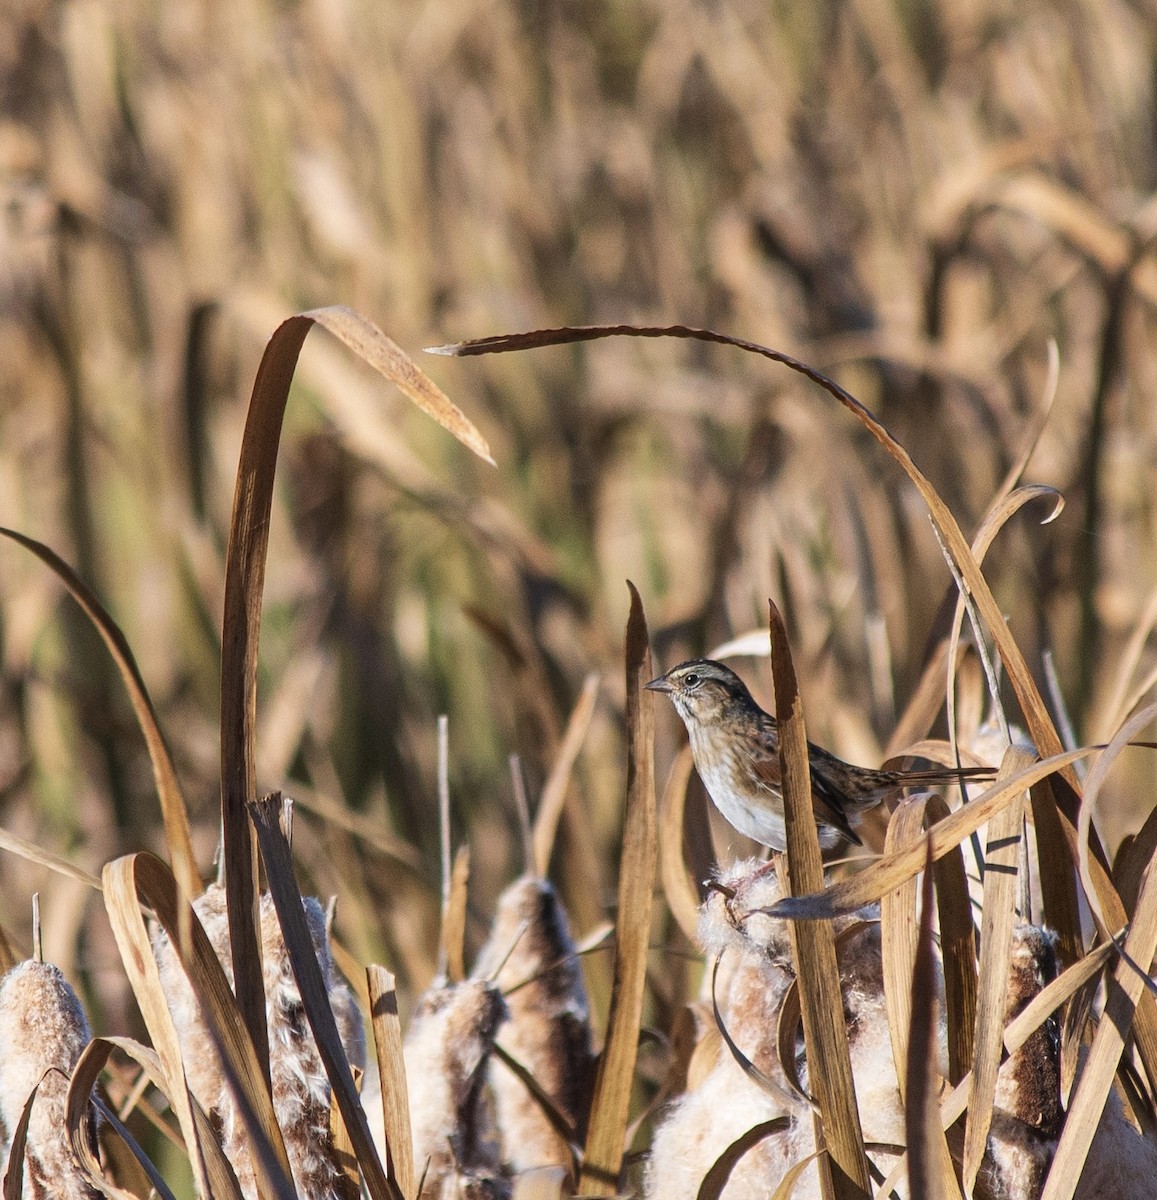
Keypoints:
pixel 920 202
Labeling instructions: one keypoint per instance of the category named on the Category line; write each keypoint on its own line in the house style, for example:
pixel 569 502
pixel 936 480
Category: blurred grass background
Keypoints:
pixel 914 197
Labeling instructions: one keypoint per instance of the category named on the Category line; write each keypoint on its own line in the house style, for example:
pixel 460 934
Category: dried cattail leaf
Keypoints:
pixel 531 958
pixel 43 1032
pixel 447 1052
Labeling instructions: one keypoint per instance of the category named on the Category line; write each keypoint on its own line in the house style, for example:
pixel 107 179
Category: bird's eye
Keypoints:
pixel 691 681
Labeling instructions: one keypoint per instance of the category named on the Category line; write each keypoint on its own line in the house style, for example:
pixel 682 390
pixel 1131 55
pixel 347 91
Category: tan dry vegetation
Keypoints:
pixel 919 200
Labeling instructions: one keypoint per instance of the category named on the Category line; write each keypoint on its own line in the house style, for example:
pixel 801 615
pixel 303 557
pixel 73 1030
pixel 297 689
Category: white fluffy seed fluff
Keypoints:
pixel 447 1049
pixel 531 956
pixel 43 1028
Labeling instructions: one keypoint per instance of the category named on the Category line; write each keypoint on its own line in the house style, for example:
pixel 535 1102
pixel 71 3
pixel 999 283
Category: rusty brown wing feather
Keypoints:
pixel 828 801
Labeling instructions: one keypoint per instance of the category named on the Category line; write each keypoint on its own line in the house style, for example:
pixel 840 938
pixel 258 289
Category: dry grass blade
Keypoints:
pixel 603 1152
pixel 812 943
pixel 716 1178
pixel 134 1147
pixel 1125 989
pixel 930 1171
pixel 454 916
pixel 1129 868
pixel 173 808
pixel 892 870
pixel 15 844
pixel 314 998
pixel 244 582
pixel 678 883
pixel 554 793
pixel 392 1072
pixel 143 877
pixel 382 353
pixel 1000 890
pixel 792 1176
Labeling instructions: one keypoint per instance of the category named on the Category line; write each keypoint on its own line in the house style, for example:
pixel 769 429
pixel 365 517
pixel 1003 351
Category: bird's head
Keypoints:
pixel 703 690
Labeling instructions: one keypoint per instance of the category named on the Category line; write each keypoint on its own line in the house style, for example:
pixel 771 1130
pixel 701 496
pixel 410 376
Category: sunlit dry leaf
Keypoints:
pixel 603 1154
pixel 813 945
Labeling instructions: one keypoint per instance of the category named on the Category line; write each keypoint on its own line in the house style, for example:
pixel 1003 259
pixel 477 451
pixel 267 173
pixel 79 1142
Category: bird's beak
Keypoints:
pixel 662 684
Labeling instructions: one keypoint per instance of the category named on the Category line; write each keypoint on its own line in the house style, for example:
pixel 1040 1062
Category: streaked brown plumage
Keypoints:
pixel 735 745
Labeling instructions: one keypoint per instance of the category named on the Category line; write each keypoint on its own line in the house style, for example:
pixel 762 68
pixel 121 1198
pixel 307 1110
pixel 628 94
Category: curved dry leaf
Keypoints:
pixel 720 1172
pixel 791 1097
pixel 610 1103
pixel 382 353
pixel 1093 785
pixel 173 809
pixel 244 582
pixel 144 877
pixel 683 897
pixel 1040 724
pixel 146 1164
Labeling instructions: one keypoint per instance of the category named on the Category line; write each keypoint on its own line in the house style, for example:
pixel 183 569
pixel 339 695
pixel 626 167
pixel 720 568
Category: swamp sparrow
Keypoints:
pixel 735 745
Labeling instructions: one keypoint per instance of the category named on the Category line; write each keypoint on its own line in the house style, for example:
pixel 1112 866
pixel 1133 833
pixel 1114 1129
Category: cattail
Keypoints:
pixel 1026 1113
pixel 43 1031
pixel 754 977
pixel 447 1051
pixel 531 958
pixel 301 1091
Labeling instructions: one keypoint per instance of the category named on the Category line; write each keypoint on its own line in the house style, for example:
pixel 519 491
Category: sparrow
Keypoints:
pixel 735 745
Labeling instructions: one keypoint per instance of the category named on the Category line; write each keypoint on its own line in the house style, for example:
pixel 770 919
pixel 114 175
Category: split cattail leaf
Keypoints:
pixel 603 1155
pixel 558 782
pixel 143 877
pixel 1002 855
pixel 244 582
pixel 173 808
pixel 679 885
pixel 392 1074
pixel 813 943
pixel 314 995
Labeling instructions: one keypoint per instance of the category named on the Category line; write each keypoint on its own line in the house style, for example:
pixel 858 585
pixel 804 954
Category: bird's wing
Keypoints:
pixel 827 803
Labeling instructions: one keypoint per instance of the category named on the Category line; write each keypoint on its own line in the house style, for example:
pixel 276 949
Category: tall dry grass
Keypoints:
pixel 917 200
